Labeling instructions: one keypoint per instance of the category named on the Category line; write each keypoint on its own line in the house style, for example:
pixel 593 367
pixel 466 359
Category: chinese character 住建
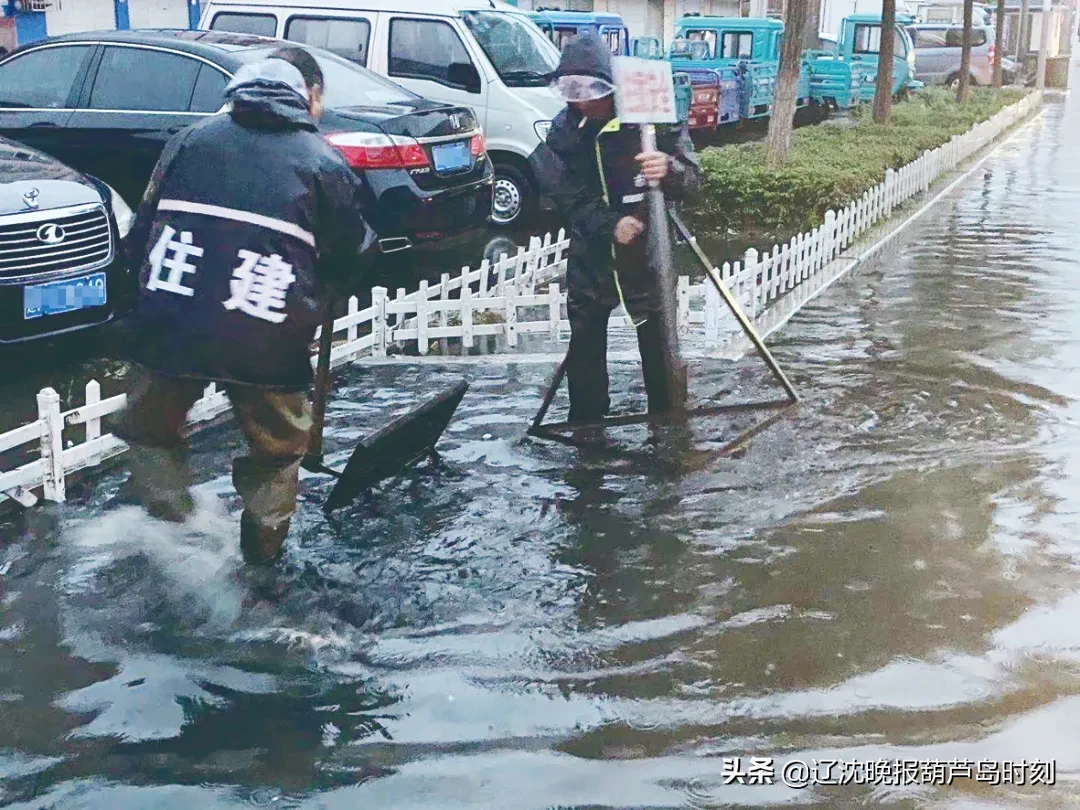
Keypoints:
pixel 174 256
pixel 259 286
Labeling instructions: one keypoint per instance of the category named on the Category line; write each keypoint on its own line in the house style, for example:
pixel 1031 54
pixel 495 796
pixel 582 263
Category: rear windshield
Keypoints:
pixel 259 25
pixel 347 84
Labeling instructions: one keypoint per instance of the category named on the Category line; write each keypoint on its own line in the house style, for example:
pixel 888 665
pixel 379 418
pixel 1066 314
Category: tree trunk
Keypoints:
pixel 999 42
pixel 963 91
pixel 883 93
pixel 778 143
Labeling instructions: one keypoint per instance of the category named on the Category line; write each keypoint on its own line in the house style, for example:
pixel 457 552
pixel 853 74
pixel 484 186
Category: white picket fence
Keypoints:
pixel 513 296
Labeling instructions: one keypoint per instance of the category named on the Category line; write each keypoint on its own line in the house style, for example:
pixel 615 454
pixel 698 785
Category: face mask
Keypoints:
pixel 582 88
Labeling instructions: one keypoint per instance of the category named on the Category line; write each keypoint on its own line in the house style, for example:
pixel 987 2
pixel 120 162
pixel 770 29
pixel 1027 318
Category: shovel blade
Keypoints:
pixel 389 451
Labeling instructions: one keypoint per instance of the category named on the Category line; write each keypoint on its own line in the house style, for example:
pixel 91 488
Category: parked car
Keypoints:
pixel 107 102
pixel 59 232
pixel 938 51
pixel 483 54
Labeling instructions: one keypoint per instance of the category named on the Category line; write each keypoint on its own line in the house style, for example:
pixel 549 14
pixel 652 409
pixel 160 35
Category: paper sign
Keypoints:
pixel 644 91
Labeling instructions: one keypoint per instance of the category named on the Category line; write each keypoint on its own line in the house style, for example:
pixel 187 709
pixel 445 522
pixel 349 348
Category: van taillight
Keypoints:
pixel 990 53
pixel 366 150
pixel 477 145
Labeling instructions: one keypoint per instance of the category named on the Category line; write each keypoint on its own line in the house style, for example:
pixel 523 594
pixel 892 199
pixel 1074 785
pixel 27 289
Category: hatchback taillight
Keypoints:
pixel 990 53
pixel 367 150
pixel 477 145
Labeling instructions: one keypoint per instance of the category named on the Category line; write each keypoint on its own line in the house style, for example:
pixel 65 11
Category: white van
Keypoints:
pixel 486 55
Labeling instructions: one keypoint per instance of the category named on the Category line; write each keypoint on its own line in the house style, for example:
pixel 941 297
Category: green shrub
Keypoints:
pixel 830 165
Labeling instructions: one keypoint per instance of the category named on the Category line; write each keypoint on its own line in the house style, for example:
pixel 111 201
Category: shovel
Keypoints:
pixel 387 452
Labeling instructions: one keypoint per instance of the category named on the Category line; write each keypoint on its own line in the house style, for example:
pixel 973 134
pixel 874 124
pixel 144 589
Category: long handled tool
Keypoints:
pixel 736 310
pixel 552 431
pixel 663 265
pixel 388 451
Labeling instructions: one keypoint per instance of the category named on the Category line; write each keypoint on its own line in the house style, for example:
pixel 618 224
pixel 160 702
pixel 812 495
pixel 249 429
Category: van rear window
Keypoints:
pixel 259 25
pixel 347 38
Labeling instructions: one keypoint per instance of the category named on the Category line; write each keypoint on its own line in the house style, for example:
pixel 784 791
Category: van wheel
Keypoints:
pixel 514 197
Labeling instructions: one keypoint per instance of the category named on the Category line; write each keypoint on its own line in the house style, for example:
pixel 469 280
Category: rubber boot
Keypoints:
pixel 261 545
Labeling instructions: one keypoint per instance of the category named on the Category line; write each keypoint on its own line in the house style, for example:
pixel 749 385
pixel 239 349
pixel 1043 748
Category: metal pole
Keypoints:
pixel 1044 46
pixel 314 456
pixel 660 257
pixel 736 310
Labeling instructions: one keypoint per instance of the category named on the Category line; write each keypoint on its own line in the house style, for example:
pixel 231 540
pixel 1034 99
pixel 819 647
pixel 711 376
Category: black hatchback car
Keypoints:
pixel 58 235
pixel 106 103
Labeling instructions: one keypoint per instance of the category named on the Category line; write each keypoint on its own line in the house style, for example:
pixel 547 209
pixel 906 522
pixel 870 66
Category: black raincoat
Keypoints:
pixel 589 171
pixel 248 217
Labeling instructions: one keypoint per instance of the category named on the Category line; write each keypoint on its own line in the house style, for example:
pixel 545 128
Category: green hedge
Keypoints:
pixel 831 164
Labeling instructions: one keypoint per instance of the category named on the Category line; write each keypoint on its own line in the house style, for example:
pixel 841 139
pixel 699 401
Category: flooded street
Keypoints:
pixel 891 572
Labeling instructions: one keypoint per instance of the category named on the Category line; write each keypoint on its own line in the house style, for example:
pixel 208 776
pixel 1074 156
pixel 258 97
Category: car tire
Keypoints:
pixel 514 198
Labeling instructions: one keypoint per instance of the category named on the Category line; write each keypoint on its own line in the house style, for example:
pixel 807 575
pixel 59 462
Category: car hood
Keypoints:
pixel 25 170
pixel 543 101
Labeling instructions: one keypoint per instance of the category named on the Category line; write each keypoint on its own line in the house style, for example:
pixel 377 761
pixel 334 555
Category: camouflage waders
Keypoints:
pixel 276 424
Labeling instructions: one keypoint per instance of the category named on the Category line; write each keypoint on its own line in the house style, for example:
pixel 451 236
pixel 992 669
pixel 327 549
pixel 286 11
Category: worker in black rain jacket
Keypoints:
pixel 593 169
pixel 249 217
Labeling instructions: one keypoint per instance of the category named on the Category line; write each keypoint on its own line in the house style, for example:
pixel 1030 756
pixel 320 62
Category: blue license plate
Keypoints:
pixel 451 157
pixel 68 295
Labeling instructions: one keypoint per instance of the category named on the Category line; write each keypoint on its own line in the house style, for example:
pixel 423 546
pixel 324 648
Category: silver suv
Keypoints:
pixel 938 48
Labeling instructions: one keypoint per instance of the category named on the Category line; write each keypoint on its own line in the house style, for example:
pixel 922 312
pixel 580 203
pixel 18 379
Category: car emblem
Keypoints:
pixel 31 198
pixel 51 233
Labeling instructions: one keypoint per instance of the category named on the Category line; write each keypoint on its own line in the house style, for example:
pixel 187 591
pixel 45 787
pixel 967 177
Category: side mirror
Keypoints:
pixel 464 75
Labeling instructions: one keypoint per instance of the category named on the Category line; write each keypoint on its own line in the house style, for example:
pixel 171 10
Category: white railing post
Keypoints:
pixel 830 235
pixel 52 444
pixel 422 318
pixel 485 273
pixel 683 298
pixel 890 191
pixel 500 275
pixel 93 426
pixel 400 317
pixel 466 310
pixel 554 310
pixel 752 267
pixel 93 397
pixel 354 307
pixel 444 295
pixel 379 329
pixel 712 312
pixel 510 313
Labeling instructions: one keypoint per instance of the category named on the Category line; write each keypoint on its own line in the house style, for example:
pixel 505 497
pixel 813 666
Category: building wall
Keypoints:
pixel 158 13
pixel 75 16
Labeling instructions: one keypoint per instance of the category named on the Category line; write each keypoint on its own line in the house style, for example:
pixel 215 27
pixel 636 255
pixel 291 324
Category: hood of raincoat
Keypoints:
pixel 586 55
pixel 270 94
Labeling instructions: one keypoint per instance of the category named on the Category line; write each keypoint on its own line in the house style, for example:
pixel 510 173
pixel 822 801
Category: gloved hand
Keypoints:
pixel 628 229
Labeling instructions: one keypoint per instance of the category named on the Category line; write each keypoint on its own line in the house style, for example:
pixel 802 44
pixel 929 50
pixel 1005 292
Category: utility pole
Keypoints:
pixel 1044 45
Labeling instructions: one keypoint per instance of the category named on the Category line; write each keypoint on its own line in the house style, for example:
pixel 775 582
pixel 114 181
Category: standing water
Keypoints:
pixel 890 573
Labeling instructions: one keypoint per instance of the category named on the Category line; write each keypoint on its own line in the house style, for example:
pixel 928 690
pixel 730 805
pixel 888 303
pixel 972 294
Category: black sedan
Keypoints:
pixel 59 230
pixel 106 103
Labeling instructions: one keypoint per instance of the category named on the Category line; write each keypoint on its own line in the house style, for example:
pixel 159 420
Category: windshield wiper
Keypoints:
pixel 527 75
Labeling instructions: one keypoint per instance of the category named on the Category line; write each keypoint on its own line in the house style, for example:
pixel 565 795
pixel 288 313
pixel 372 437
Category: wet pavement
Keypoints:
pixel 890 573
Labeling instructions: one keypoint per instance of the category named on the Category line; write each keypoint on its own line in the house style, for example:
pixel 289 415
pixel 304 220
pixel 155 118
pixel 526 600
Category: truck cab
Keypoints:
pixel 562 26
pixel 744 51
pixel 860 45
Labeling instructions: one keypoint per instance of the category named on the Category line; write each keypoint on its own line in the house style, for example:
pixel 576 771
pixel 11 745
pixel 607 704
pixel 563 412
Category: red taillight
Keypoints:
pixel 990 52
pixel 477 145
pixel 366 150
